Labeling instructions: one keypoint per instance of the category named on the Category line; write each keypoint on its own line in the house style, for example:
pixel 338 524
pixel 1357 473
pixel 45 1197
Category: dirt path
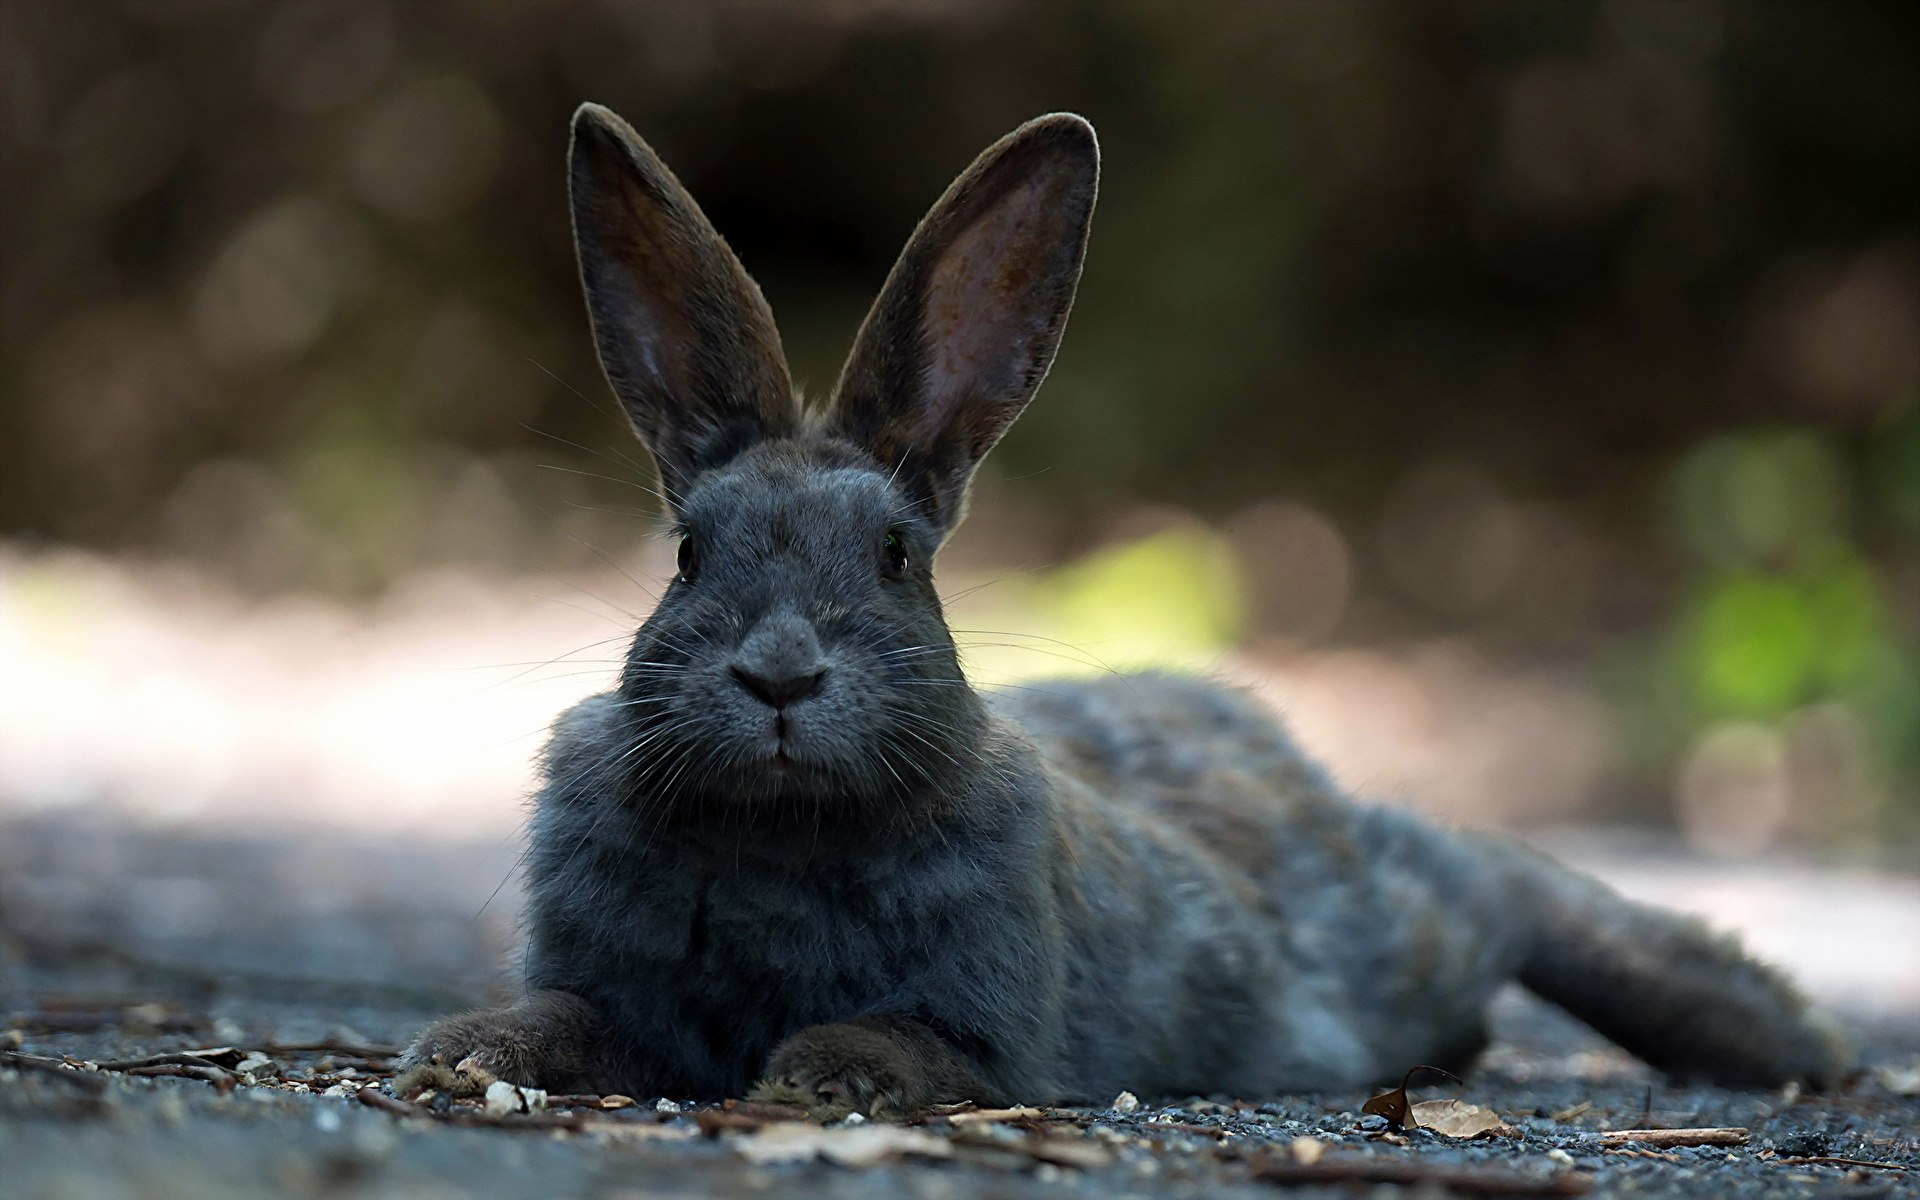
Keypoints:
pixel 311 957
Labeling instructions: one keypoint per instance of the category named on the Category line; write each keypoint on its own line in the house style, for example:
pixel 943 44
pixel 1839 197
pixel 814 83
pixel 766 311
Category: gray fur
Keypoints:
pixel 794 846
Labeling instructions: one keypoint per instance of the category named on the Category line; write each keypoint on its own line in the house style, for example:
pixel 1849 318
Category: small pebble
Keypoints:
pixel 1125 1102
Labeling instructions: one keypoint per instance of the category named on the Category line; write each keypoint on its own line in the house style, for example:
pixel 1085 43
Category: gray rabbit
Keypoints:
pixel 795 853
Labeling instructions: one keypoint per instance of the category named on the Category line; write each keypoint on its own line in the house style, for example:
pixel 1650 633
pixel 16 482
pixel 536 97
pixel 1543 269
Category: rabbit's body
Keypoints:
pixel 795 846
pixel 1149 889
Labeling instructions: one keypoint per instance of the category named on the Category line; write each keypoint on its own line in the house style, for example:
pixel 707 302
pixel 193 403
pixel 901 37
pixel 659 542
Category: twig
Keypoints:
pixel 219 1077
pixel 334 1047
pixel 1470 1182
pixel 1186 1127
pixel 583 1100
pixel 1831 1161
pixel 1633 1152
pixel 92 1021
pixel 373 1097
pixel 172 1058
pixel 1674 1137
pixel 55 1067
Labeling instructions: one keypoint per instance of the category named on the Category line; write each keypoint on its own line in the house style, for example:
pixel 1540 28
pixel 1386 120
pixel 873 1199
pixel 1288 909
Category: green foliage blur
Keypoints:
pixel 1587 334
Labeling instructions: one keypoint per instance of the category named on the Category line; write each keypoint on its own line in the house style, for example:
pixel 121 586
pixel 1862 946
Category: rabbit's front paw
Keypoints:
pixel 467 1052
pixel 547 1041
pixel 833 1070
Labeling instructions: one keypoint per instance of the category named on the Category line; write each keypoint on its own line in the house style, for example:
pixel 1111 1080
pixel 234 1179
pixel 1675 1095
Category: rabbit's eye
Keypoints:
pixel 894 557
pixel 689 559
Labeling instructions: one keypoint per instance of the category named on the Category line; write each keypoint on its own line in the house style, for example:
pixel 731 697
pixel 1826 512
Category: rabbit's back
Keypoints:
pixel 1396 930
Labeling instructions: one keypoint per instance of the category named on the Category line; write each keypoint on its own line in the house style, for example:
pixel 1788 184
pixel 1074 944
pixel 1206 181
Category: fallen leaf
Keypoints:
pixel 1393 1105
pixel 1568 1114
pixel 861 1146
pixel 1458 1119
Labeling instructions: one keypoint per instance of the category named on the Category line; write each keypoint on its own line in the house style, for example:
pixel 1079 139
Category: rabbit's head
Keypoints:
pixel 800 662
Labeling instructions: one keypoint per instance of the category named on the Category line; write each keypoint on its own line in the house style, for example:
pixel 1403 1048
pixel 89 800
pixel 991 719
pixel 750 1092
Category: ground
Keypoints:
pixel 298 964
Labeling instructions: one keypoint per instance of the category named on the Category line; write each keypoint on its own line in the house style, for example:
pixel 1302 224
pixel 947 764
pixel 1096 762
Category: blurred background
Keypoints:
pixel 1524 398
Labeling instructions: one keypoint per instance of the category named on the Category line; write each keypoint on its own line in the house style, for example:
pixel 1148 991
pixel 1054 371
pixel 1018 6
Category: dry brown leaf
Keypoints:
pixel 859 1146
pixel 1394 1105
pixel 1458 1119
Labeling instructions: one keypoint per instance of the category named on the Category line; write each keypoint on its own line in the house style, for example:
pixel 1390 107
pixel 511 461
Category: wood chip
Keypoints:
pixel 995 1116
pixel 1066 1151
pixel 761 1110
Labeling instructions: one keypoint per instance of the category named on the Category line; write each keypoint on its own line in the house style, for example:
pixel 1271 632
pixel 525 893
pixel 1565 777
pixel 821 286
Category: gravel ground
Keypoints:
pixel 312 957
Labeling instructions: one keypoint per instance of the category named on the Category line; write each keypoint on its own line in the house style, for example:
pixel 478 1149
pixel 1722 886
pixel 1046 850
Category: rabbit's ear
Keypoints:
pixel 685 337
pixel 967 324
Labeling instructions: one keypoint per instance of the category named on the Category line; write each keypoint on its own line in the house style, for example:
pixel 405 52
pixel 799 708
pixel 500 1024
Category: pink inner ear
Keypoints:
pixel 988 304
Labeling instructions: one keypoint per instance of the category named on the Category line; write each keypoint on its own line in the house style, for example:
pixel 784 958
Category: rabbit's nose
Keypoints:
pixel 780 661
pixel 781 689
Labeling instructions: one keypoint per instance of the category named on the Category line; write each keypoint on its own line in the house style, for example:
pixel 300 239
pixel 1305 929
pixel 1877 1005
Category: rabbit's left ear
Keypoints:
pixel 969 319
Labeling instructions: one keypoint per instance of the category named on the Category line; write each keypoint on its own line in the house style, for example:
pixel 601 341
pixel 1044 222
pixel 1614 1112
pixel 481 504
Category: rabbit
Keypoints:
pixel 795 855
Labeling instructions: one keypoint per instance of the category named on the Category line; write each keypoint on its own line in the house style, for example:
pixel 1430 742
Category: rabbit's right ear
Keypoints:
pixel 967 323
pixel 684 335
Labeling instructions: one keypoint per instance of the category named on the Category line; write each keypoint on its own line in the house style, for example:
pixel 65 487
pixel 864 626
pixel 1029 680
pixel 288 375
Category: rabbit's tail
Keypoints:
pixel 1676 994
